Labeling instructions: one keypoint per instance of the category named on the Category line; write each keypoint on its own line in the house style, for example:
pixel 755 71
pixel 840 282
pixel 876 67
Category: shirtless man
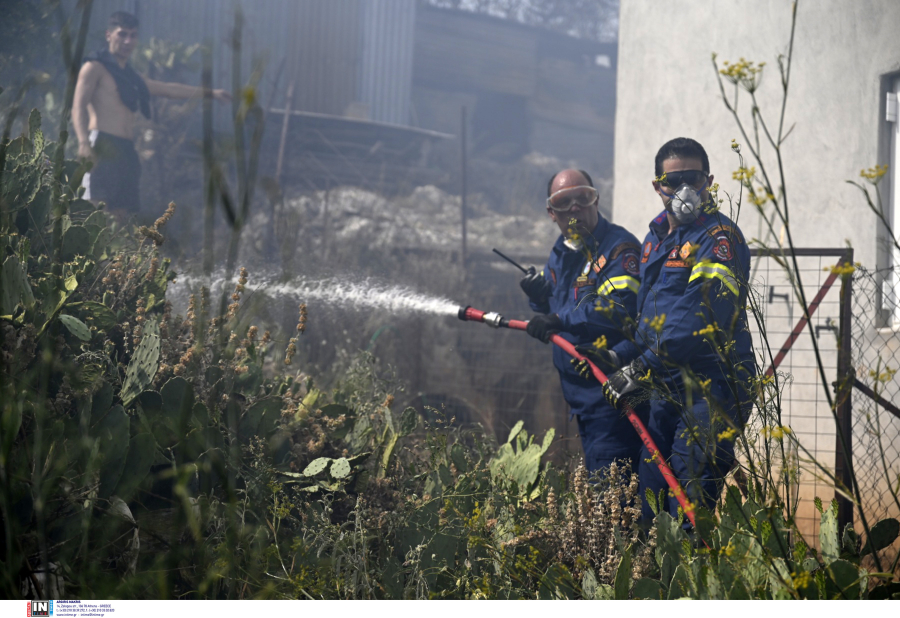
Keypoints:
pixel 107 94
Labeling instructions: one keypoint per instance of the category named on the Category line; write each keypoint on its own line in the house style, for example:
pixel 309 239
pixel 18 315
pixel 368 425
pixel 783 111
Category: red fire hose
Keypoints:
pixel 468 314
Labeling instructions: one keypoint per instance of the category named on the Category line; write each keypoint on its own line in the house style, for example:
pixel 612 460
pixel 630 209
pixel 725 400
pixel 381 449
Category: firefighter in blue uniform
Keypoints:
pixel 692 354
pixel 594 264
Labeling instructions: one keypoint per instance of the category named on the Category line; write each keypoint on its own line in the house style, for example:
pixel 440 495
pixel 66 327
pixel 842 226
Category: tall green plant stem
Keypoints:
pixel 783 214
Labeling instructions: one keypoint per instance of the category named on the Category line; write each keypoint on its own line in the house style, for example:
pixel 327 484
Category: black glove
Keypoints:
pixel 536 286
pixel 622 382
pixel 606 360
pixel 541 326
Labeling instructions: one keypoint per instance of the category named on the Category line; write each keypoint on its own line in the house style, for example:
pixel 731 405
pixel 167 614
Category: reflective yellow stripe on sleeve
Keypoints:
pixel 619 283
pixel 711 270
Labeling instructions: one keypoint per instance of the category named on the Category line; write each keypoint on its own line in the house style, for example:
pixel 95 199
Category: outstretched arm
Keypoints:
pixel 88 78
pixel 173 90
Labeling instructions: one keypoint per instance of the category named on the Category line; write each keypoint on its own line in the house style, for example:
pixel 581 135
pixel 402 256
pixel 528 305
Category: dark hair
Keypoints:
pixel 553 177
pixel 121 19
pixel 681 148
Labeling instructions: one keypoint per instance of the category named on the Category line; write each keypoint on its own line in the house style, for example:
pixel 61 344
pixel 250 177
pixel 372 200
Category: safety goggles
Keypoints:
pixel 693 178
pixel 566 199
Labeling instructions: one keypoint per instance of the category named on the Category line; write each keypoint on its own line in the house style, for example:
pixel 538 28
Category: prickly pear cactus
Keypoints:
pixel 828 535
pixel 76 241
pixel 141 453
pixel 340 469
pixel 316 466
pixel 520 458
pixel 76 327
pixel 14 287
pixel 409 420
pixel 144 363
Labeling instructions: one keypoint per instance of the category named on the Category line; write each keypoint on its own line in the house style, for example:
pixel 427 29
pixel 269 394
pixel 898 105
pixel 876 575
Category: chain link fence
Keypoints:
pixel 855 391
pixel 876 391
pixel 781 338
pixel 496 377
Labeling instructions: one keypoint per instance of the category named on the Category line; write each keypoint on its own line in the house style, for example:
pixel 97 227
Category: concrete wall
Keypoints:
pixel 667 88
pixel 843 51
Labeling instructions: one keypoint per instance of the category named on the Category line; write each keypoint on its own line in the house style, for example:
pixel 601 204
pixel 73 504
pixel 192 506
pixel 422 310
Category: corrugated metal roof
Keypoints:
pixel 387 59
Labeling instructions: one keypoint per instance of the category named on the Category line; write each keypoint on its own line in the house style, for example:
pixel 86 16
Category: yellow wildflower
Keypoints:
pixel 776 432
pixel 658 322
pixel 874 174
pixel 709 329
pixel 600 344
pixel 744 174
pixel 840 269
pixel 759 196
pixel 800 580
pixel 744 72
pixel 728 434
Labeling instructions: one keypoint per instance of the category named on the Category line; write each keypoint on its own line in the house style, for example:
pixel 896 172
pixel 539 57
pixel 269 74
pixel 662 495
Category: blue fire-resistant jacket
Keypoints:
pixel 609 279
pixel 692 301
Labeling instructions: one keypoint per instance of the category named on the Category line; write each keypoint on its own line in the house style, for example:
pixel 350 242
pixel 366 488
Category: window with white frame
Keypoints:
pixel 890 194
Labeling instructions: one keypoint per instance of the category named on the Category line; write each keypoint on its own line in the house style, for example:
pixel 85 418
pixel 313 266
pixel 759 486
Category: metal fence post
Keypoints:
pixel 843 455
pixel 463 190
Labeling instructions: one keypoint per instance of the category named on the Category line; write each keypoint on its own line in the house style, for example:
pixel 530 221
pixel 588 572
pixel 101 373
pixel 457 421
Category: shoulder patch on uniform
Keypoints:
pixel 630 263
pixel 726 230
pixel 648 246
pixel 722 250
pixel 625 246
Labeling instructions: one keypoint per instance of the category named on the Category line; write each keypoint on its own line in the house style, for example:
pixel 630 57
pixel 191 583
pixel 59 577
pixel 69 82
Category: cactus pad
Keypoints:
pixel 144 363
pixel 317 466
pixel 141 453
pixel 340 469
pixel 14 287
pixel 409 420
pixel 76 327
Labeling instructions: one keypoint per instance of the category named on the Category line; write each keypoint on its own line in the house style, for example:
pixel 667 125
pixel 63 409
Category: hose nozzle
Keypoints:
pixel 469 314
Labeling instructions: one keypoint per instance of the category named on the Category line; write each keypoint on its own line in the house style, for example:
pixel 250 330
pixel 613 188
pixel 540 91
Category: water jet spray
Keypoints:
pixel 495 320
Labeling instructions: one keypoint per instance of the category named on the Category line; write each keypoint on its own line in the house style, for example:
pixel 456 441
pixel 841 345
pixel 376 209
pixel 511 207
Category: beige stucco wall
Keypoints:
pixel 667 88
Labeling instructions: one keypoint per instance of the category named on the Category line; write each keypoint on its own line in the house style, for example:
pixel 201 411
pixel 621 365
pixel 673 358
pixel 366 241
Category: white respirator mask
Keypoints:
pixel 685 204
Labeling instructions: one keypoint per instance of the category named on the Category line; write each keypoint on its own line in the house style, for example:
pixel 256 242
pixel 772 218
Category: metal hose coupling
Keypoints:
pixel 492 319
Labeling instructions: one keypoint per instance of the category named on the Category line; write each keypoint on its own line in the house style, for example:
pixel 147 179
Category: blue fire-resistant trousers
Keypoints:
pixel 600 450
pixel 691 434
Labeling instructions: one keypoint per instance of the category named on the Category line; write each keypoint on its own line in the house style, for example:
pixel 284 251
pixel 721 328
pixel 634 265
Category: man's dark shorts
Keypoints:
pixel 115 177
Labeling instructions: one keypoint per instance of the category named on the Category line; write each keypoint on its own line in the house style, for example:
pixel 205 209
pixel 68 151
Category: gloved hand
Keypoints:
pixel 536 286
pixel 622 382
pixel 606 360
pixel 541 326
